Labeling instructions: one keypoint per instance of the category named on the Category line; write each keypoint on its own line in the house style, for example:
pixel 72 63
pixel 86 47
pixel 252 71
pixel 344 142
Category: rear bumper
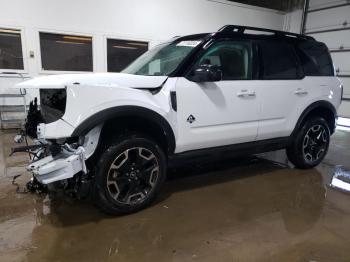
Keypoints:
pixel 63 166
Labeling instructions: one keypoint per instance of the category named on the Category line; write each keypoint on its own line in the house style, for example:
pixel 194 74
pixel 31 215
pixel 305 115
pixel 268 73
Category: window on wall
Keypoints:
pixel 66 52
pixel 278 60
pixel 120 53
pixel 11 56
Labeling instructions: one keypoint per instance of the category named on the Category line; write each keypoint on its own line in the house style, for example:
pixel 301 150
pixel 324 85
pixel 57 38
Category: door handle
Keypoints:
pixel 301 92
pixel 246 93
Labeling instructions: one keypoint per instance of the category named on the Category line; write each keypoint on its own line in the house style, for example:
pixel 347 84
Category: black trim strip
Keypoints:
pixel 318 104
pixel 304 17
pixel 327 31
pixel 339 50
pixel 327 7
pixel 344 76
pixel 239 29
pixel 241 149
pixel 345 99
pixel 173 100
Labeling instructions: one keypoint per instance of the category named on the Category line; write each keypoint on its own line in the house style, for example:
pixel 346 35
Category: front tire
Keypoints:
pixel 310 144
pixel 129 175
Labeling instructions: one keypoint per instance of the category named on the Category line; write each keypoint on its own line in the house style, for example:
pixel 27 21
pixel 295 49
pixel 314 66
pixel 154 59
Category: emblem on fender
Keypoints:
pixel 191 119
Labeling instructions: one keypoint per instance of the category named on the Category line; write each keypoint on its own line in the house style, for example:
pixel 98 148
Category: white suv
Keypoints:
pixel 228 91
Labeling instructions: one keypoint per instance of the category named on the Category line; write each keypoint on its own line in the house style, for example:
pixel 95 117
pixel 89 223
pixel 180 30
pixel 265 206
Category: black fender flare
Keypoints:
pixel 127 111
pixel 311 107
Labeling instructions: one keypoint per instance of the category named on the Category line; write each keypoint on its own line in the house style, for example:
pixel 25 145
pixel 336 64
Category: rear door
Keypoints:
pixel 283 87
pixel 293 77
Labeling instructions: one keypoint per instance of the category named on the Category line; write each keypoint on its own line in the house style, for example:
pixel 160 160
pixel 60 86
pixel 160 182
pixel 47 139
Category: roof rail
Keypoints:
pixel 240 29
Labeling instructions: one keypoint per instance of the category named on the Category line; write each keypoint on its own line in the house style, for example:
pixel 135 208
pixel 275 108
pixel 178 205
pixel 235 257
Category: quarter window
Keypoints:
pixel 232 57
pixel 315 59
pixel 120 53
pixel 66 52
pixel 11 49
pixel 278 61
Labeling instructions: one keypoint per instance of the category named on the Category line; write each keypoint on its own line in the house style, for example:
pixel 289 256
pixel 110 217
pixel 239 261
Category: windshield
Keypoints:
pixel 161 60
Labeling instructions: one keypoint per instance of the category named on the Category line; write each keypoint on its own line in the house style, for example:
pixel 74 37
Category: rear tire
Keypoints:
pixel 129 175
pixel 310 144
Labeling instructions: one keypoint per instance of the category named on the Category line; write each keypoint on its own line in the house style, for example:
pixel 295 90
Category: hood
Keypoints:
pixel 91 79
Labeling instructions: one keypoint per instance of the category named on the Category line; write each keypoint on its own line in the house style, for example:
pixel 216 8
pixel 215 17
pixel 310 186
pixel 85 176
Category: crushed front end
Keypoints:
pixel 68 162
pixel 55 162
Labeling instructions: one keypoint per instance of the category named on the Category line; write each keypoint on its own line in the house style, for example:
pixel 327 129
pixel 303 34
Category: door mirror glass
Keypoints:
pixel 206 73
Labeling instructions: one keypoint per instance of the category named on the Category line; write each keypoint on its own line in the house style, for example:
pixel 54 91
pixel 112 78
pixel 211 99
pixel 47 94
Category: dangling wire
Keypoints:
pixel 18 189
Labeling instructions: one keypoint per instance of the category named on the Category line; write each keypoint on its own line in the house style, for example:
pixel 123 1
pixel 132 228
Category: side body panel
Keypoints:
pixel 84 101
pixel 283 102
pixel 222 116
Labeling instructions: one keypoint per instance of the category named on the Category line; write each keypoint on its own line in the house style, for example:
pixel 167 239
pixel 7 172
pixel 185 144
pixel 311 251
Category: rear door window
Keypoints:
pixel 315 58
pixel 278 61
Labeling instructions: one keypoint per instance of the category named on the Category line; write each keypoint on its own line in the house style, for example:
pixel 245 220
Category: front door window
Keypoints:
pixel 232 57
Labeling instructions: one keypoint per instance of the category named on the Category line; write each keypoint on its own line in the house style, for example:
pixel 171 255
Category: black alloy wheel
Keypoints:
pixel 132 175
pixel 309 145
pixel 129 174
pixel 315 143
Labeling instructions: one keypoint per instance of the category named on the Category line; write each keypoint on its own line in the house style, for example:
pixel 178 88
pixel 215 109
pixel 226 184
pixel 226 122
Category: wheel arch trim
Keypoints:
pixel 311 107
pixel 128 111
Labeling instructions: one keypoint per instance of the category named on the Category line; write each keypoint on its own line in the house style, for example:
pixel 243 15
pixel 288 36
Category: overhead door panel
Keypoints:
pixel 329 21
pixel 315 4
pixel 341 61
pixel 334 40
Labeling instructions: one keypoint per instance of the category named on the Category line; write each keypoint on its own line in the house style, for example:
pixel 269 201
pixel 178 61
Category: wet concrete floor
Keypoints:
pixel 248 209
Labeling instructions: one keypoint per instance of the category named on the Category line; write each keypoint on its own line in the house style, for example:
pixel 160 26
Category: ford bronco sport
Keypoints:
pixel 242 90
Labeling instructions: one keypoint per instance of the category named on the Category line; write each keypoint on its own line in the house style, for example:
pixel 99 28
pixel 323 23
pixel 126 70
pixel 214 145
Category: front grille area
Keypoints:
pixel 52 104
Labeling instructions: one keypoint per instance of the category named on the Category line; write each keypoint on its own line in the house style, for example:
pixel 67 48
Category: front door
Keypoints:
pixel 219 113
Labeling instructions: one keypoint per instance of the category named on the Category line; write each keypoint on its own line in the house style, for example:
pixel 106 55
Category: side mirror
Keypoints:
pixel 206 73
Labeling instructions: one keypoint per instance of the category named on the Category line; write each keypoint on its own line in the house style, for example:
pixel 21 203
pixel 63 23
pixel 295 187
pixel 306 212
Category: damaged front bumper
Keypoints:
pixel 54 161
pixel 63 166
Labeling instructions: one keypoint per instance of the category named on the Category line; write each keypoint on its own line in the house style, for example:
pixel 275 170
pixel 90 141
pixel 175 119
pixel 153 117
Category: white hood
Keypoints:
pixel 91 79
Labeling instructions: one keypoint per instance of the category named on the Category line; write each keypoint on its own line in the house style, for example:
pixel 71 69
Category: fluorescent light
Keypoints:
pixel 138 44
pixel 124 47
pixel 77 38
pixel 12 31
pixel 69 42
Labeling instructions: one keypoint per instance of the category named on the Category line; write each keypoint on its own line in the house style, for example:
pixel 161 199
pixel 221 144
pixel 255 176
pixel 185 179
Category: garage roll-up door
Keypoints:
pixel 329 22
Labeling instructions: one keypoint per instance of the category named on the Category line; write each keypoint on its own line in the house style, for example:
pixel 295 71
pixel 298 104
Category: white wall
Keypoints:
pixel 151 20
